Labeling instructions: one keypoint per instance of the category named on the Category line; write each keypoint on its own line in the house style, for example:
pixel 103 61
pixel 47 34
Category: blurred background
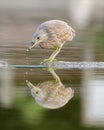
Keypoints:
pixel 18 21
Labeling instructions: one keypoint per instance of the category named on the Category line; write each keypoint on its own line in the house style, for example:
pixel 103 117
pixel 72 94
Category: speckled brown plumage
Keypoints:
pixel 52 34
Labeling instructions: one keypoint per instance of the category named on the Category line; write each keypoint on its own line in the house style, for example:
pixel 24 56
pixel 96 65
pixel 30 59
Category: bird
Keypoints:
pixel 52 34
pixel 51 94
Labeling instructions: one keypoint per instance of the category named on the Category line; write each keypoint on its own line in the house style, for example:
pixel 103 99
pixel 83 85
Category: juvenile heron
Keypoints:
pixel 51 94
pixel 52 34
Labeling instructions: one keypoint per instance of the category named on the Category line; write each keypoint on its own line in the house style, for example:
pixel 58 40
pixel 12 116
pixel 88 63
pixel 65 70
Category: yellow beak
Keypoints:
pixel 34 44
pixel 30 85
pixel 30 47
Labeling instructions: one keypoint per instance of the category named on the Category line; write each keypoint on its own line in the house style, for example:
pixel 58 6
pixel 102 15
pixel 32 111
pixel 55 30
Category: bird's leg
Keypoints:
pixel 52 57
pixel 54 54
pixel 56 77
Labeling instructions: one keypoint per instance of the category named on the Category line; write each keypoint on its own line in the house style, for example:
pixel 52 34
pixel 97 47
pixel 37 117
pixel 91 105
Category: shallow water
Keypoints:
pixel 18 103
pixel 19 109
pixel 15 94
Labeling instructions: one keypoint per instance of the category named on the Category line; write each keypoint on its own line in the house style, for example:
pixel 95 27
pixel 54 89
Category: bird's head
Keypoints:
pixel 35 91
pixel 38 37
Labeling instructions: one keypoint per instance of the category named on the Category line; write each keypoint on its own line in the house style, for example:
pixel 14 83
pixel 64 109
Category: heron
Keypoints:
pixel 51 94
pixel 52 34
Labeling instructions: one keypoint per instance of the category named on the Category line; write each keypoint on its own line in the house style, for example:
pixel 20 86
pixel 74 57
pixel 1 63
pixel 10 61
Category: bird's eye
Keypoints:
pixel 37 92
pixel 38 38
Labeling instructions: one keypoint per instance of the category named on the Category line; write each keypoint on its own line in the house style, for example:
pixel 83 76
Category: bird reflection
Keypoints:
pixel 51 94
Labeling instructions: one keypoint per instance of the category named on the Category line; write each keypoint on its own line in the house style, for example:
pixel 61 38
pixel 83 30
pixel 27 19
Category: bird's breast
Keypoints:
pixel 47 45
pixel 51 42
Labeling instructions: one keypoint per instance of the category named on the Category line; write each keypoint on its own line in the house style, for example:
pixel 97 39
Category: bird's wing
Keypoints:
pixel 72 34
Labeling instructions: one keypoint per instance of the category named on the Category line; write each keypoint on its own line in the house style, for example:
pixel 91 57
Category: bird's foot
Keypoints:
pixel 47 61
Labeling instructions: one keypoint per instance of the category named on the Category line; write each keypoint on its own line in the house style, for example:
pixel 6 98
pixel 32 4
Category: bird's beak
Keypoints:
pixel 34 44
pixel 31 86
